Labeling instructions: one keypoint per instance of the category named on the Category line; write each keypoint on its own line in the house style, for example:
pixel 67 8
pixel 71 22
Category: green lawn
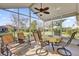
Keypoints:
pixel 46 33
pixel 15 33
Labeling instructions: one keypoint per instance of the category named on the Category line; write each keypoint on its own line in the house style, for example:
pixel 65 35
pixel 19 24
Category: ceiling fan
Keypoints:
pixel 42 10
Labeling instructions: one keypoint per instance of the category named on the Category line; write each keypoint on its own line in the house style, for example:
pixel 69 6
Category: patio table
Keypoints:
pixel 53 40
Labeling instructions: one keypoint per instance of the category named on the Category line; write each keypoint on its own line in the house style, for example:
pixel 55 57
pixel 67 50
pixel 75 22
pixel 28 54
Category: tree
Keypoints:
pixel 20 23
pixel 33 26
pixel 14 20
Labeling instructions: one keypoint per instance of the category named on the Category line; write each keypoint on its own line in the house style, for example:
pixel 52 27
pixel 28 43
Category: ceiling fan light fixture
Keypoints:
pixel 40 14
pixel 42 10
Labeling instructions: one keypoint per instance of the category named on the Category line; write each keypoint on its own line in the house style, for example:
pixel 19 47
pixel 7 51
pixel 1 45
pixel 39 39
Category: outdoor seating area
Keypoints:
pixel 39 29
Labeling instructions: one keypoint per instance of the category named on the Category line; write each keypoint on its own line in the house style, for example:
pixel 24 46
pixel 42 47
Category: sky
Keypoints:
pixel 5 17
pixel 70 22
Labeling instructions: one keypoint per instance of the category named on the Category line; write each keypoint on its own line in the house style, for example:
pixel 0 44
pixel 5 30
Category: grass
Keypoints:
pixel 65 33
pixel 46 33
pixel 15 33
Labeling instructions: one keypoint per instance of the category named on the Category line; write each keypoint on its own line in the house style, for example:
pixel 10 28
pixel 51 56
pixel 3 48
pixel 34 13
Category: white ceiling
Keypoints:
pixel 55 9
pixel 14 5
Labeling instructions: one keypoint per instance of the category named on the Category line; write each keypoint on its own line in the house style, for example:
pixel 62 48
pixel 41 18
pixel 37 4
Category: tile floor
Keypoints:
pixel 26 50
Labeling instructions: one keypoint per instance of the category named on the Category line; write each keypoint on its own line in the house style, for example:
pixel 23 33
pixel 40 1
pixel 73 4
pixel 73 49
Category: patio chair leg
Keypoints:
pixel 53 46
pixel 40 52
pixel 6 51
pixel 66 52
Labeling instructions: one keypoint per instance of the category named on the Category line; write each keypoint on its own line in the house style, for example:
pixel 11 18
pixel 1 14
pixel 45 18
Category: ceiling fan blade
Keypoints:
pixel 46 8
pixel 36 12
pixel 46 12
pixel 37 9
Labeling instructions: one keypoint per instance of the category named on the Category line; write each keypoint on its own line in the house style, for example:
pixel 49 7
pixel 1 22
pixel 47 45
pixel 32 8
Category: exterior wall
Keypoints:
pixel 3 29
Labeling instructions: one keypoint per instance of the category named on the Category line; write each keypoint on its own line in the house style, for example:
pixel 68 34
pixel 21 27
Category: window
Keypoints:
pixel 24 11
pixel 69 25
pixel 5 18
pixel 13 10
pixel 70 22
pixel 34 15
pixel 24 21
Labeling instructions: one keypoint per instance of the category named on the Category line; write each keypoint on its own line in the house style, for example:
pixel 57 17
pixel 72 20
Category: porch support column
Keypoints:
pixel 30 25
